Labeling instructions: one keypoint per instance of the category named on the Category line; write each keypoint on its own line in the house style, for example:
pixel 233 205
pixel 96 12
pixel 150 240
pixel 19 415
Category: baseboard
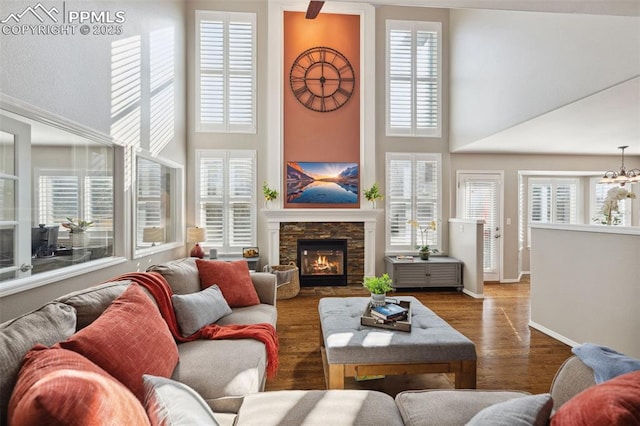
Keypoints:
pixel 553 334
pixel 472 294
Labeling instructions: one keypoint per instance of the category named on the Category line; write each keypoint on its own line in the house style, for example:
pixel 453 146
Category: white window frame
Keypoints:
pixel 410 248
pixel 226 125
pixel 223 245
pixel 413 130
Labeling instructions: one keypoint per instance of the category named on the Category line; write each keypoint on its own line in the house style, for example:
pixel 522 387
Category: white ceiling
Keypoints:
pixel 590 7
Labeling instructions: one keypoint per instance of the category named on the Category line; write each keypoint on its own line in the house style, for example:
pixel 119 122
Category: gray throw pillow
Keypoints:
pixel 533 410
pixel 172 403
pixel 195 310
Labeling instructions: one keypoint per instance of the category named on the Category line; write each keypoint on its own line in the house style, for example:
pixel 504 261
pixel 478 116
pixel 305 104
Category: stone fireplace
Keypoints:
pixel 356 226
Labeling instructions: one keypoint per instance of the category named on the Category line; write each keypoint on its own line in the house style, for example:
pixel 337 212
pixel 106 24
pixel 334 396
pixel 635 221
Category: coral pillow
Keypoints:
pixel 128 340
pixel 614 402
pixel 60 387
pixel 233 278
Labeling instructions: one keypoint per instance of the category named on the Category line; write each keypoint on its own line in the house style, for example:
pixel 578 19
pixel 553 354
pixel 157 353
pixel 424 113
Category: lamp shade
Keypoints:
pixel 153 235
pixel 195 234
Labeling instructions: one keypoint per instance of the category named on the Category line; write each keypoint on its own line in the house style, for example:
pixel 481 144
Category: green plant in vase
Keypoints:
pixel 372 194
pixel 378 286
pixel 269 194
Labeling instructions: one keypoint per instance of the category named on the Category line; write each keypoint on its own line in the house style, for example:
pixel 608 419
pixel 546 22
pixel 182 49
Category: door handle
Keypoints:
pixel 25 267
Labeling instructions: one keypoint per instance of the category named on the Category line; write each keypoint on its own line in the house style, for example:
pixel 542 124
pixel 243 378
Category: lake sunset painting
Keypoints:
pixel 319 183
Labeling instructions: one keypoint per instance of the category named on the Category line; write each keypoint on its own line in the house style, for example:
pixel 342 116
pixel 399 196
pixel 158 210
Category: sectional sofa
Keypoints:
pixel 213 381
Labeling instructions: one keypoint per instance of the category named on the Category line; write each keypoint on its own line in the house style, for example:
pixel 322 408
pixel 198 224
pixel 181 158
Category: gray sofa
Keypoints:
pixel 230 374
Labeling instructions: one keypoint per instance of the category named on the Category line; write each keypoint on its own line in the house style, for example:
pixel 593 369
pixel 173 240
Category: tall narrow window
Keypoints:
pixel 226 76
pixel 413 78
pixel 226 198
pixel 413 188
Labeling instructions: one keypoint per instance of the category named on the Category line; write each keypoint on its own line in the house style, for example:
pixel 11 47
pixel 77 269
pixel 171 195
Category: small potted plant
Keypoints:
pixel 77 228
pixel 378 286
pixel 269 194
pixel 372 194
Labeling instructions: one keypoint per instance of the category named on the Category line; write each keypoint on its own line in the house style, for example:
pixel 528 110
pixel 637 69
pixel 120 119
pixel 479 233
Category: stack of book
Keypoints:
pixel 389 312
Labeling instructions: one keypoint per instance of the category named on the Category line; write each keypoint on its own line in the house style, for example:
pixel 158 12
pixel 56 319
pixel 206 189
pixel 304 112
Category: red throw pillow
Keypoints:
pixel 128 340
pixel 232 278
pixel 60 387
pixel 614 402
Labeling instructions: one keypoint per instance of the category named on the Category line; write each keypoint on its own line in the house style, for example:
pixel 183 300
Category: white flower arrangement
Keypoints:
pixel 610 206
pixel 431 226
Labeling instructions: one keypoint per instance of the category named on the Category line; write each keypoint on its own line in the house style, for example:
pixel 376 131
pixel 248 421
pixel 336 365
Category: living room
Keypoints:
pixel 530 95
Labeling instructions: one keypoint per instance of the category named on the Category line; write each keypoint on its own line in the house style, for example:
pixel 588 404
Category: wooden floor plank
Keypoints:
pixel 511 355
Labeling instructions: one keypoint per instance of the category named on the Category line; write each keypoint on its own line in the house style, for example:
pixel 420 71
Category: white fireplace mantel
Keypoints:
pixel 368 216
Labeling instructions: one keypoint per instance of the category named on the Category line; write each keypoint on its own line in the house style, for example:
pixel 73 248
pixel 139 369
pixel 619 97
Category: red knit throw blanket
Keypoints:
pixel 161 291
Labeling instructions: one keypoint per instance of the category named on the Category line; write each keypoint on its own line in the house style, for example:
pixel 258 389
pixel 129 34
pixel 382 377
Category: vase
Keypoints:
pixel 378 299
pixel 79 239
pixel 424 255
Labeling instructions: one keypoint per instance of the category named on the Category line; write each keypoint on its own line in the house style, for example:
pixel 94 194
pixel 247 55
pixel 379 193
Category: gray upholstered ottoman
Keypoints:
pixel 350 349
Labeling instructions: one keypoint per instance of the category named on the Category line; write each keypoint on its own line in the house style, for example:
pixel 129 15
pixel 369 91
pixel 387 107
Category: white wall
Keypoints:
pixel 584 284
pixel 70 76
pixel 509 67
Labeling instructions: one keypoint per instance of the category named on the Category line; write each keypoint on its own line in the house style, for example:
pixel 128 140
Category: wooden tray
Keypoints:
pixel 367 319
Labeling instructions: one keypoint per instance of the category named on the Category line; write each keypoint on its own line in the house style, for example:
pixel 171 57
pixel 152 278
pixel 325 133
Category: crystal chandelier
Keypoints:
pixel 623 175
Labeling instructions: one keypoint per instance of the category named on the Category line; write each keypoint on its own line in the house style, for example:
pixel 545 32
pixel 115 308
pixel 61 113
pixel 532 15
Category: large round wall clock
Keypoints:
pixel 322 79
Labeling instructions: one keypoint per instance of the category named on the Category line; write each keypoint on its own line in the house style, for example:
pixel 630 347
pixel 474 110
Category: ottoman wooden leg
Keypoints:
pixel 466 375
pixel 336 376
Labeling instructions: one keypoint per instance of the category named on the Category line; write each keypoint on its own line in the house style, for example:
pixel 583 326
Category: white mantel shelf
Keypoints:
pixel 321 215
pixel 369 217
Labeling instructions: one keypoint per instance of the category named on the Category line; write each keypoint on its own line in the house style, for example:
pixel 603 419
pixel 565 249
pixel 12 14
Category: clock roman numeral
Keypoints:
pixel 309 102
pixel 300 90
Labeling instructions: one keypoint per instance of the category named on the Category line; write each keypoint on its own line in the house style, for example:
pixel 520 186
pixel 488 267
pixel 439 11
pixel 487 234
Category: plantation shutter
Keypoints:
pixel 480 199
pixel 58 199
pixel 225 59
pixel 227 198
pixel 149 201
pixel 412 194
pixel 99 201
pixel 413 78
pixel 540 203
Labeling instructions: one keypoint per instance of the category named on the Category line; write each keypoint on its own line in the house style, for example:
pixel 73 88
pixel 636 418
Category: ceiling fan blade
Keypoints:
pixel 313 9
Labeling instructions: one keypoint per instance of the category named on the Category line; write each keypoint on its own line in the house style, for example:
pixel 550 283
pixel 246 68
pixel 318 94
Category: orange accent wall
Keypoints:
pixel 321 136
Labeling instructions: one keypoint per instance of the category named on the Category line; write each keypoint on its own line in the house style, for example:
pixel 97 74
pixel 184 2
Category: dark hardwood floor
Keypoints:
pixel 511 355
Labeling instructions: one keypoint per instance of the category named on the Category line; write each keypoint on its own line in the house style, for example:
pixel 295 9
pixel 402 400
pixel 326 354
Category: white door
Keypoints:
pixel 15 199
pixel 479 196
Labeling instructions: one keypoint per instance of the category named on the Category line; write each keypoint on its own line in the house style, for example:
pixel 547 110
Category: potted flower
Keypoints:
pixel 423 249
pixel 378 286
pixel 610 208
pixel 269 194
pixel 77 228
pixel 372 194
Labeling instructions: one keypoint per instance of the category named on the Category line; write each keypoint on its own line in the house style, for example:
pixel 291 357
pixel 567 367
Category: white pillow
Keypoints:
pixel 195 310
pixel 171 403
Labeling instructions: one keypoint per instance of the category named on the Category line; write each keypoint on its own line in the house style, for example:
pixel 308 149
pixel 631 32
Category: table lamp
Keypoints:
pixel 195 235
pixel 153 235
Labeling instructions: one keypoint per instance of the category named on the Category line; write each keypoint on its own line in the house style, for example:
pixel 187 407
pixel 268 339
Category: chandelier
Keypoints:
pixel 623 175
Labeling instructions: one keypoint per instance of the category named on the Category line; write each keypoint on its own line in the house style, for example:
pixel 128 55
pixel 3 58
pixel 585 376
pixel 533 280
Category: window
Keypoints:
pixel 413 78
pixel 226 198
pixel 413 188
pixel 598 195
pixel 553 200
pixel 225 66
pixel 157 216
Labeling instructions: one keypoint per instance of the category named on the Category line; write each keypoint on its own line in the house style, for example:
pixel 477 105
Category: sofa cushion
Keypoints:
pixel 614 402
pixel 57 386
pixel 255 314
pixel 47 325
pixel 572 377
pixel 195 310
pixel 333 407
pixel 532 410
pixel 233 278
pixel 171 403
pixel 241 370
pixel 128 340
pixel 436 407
pixel 91 302
pixel 182 275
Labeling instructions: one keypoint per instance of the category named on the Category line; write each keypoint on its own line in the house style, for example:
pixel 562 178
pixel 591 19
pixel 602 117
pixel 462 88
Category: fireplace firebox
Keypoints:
pixel 322 262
